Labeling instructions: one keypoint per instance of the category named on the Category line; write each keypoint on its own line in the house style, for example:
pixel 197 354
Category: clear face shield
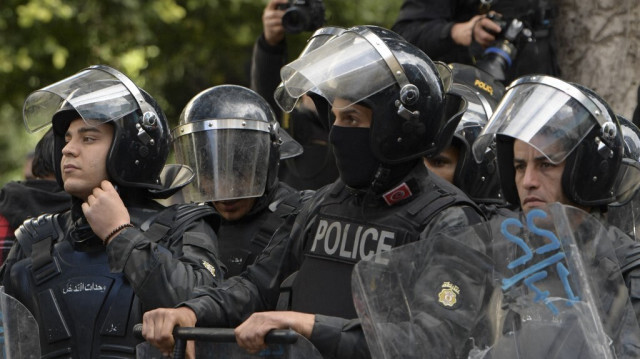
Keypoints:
pixel 627 182
pixel 336 69
pixel 478 110
pixel 546 113
pixel 98 93
pixel 230 158
pixel 319 38
pixel 479 179
pixel 475 116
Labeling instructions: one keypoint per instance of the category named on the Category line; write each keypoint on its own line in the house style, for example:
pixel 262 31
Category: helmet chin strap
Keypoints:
pixel 377 185
pixel 380 178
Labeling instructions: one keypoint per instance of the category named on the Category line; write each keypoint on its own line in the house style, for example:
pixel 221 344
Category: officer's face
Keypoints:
pixel 537 179
pixel 84 157
pixel 444 163
pixel 233 210
pixel 353 116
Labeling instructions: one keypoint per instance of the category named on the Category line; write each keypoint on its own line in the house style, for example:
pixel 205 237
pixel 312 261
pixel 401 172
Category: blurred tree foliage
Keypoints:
pixel 172 48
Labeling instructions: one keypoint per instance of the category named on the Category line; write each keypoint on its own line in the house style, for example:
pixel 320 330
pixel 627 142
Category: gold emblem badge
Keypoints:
pixel 448 295
pixel 210 268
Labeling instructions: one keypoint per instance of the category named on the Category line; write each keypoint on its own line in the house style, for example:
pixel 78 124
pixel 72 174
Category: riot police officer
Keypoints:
pixel 389 108
pixel 456 164
pixel 560 142
pixel 230 136
pixel 89 273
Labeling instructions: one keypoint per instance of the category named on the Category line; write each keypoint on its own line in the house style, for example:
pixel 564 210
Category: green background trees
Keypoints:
pixel 176 48
pixel 173 49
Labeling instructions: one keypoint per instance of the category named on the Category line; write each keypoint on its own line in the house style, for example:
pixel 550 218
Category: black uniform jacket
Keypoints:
pixel 301 244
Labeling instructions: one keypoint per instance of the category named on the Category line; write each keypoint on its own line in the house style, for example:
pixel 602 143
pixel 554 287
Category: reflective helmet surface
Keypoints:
pixel 479 180
pixel 624 212
pixel 228 134
pixel 374 67
pixel 100 93
pixel 565 122
pixel 319 38
pixel 629 174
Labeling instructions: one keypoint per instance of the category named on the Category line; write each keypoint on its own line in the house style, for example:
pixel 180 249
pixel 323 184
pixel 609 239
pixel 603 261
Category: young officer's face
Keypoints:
pixel 444 163
pixel 537 179
pixel 84 157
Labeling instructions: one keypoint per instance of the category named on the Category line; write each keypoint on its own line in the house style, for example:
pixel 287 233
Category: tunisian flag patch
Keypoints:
pixel 397 194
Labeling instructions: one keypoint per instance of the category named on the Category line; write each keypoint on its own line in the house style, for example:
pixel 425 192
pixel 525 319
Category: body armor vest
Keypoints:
pixel 83 310
pixel 344 233
pixel 243 240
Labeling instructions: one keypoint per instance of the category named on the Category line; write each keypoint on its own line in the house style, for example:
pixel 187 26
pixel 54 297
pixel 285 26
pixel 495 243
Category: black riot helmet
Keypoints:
pixel 229 135
pixel 413 116
pixel 565 122
pixel 479 180
pixel 104 95
pixel 628 181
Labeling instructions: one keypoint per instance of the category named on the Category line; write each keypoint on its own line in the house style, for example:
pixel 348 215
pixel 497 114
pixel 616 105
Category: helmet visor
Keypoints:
pixel 336 69
pixel 319 38
pixel 547 118
pixel 627 182
pixel 95 94
pixel 478 110
pixel 230 158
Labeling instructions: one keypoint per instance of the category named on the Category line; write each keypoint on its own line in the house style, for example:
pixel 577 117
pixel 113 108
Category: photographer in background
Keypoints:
pixel 316 166
pixel 461 30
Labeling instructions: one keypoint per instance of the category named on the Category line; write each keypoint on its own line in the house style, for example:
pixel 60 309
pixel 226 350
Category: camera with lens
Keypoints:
pixel 497 58
pixel 302 15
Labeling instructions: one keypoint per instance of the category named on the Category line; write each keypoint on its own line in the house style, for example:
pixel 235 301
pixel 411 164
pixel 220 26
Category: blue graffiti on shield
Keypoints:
pixel 535 271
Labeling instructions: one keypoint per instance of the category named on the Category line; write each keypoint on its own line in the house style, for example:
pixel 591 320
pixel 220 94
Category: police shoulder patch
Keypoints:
pixel 449 295
pixel 210 268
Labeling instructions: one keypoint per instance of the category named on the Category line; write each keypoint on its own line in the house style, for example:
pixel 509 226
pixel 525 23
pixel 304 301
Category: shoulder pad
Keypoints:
pixel 291 202
pixel 34 230
pixel 173 219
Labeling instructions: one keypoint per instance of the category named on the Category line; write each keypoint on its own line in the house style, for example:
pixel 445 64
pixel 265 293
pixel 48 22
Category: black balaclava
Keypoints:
pixel 355 160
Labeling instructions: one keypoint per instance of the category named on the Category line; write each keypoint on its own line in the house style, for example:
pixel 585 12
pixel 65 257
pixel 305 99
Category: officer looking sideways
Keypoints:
pixel 389 108
pixel 230 136
pixel 560 142
pixel 89 273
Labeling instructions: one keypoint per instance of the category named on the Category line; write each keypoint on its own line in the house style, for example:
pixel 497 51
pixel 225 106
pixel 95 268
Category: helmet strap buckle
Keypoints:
pixel 608 131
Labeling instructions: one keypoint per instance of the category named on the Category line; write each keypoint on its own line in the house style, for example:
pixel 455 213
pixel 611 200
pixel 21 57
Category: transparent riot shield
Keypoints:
pixel 19 329
pixel 219 343
pixel 552 289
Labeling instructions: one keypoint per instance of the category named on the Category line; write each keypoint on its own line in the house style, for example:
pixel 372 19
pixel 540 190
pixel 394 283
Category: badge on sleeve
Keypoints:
pixel 448 296
pixel 210 268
